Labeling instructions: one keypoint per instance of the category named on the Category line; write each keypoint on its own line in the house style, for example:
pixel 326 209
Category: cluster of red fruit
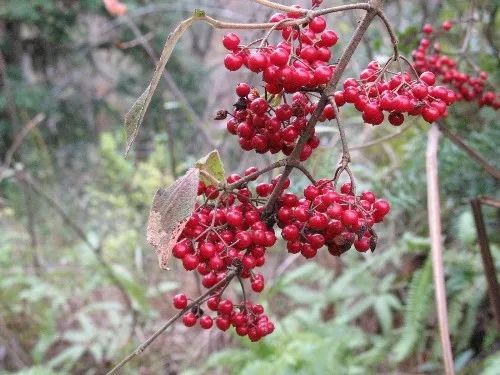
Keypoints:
pixel 428 56
pixel 372 95
pixel 248 318
pixel 263 128
pixel 327 217
pixel 298 62
pixel 226 233
pixel 288 66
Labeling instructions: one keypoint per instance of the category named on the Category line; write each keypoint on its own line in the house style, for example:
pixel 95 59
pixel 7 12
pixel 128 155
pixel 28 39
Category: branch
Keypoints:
pixel 254 175
pixel 328 91
pixel 434 212
pixel 488 262
pixel 138 351
pixel 492 170
pixel 280 7
pixel 390 31
pixel 27 179
pixel 380 140
pixel 20 137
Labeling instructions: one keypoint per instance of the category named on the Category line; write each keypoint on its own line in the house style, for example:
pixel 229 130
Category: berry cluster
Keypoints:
pixel 226 233
pixel 299 61
pixel 262 128
pixel 247 318
pixel 428 56
pixel 327 217
pixel 372 95
pixel 267 123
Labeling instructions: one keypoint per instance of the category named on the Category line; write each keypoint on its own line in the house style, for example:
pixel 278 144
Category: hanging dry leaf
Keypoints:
pixel 135 115
pixel 171 208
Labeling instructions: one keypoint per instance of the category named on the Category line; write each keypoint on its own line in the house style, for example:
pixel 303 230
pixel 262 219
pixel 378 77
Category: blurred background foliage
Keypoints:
pixel 79 287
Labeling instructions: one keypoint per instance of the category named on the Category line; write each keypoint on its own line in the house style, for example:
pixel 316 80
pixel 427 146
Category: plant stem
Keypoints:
pixel 492 170
pixel 145 344
pixel 434 212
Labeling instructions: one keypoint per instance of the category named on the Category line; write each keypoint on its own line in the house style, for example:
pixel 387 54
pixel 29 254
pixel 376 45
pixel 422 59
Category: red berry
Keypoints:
pixel 222 323
pixel 206 322
pixel 318 221
pixel 447 25
pixel 349 217
pixel 317 24
pixel 231 41
pixel 190 262
pixel 189 319
pixel 233 62
pixel 428 77
pixel 329 38
pixel 427 29
pixel 243 89
pixel 180 301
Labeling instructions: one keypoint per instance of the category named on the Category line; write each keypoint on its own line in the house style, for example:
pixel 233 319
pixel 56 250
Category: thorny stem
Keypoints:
pixel 224 282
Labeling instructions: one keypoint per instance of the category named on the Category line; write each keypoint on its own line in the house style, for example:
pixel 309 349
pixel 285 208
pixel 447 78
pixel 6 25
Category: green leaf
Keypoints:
pixel 169 212
pixel 211 168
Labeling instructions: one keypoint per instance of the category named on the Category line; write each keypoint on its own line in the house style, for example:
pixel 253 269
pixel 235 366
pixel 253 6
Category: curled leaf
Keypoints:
pixel 211 168
pixel 171 208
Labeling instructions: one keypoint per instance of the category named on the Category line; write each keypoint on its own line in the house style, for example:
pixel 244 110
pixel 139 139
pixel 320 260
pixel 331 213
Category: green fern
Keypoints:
pixel 416 311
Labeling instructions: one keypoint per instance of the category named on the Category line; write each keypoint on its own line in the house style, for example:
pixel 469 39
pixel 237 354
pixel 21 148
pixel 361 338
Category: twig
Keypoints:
pixel 488 262
pixel 20 137
pixel 27 179
pixel 380 140
pixel 390 31
pixel 304 170
pixel 254 175
pixel 279 7
pixel 346 156
pixel 492 170
pixel 224 282
pixel 434 213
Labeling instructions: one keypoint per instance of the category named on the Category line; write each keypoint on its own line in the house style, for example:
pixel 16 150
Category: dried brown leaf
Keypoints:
pixel 171 208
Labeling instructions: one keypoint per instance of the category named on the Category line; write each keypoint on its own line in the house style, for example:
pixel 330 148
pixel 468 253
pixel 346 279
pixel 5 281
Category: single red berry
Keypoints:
pixel 317 24
pixel 329 38
pixel 233 62
pixel 428 77
pixel 318 221
pixel 206 322
pixel 180 301
pixel 362 245
pixel 225 306
pixel 189 319
pixel 427 29
pixel 242 89
pixel 222 323
pixel 349 217
pixel 190 262
pixel 447 25
pixel 231 41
